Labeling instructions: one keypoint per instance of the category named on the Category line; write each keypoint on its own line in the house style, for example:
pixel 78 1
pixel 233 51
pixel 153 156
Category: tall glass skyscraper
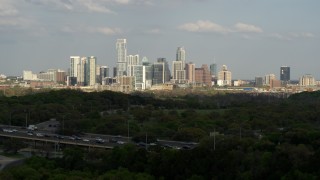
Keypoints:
pixel 285 73
pixel 181 56
pixel 121 47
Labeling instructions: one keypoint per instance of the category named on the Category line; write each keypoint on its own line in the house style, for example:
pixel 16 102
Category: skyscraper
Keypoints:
pixel 307 80
pixel 181 56
pixel 91 71
pixel 121 47
pixel 179 65
pixel 213 70
pixel 202 75
pixel 74 61
pixel 160 71
pixel 285 73
pixel 82 71
pixel 190 72
pixel 132 60
pixel 268 78
pixel 224 77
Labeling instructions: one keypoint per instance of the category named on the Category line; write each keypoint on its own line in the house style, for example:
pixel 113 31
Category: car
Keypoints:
pixel 30 133
pixel 39 135
pixel 76 137
pixel 120 142
pixel 7 130
pixel 99 140
pixel 71 138
pixel 86 140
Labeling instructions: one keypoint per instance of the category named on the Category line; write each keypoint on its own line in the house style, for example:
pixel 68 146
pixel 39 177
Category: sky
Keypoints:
pixel 252 37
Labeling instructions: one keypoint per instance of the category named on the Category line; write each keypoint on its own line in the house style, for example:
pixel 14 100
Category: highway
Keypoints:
pixel 87 140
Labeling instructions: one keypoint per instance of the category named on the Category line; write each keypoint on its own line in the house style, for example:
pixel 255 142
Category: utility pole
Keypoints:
pixel 214 139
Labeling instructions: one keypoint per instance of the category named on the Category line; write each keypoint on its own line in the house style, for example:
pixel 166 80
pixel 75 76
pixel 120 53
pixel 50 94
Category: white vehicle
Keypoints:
pixel 32 127
pixel 85 140
pixel 39 135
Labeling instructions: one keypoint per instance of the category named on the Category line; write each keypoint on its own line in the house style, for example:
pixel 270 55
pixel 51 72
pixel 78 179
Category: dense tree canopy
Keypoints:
pixel 253 136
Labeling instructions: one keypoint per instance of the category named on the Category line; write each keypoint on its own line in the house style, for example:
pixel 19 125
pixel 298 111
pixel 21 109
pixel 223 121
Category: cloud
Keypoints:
pixel 96 6
pixel 292 35
pixel 7 8
pixel 204 26
pixel 105 30
pixel 102 30
pixel 242 27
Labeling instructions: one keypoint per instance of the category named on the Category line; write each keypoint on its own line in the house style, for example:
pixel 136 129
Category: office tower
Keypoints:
pixel 268 78
pixel 160 72
pixel 132 60
pixel 145 61
pixel 82 71
pixel 121 47
pixel 179 65
pixel 190 72
pixel 285 73
pixel 181 55
pixel 213 70
pixel 202 75
pixel 307 80
pixel 74 61
pixel 60 76
pixel 98 74
pixel 104 72
pixel 179 73
pixel 258 81
pixel 137 72
pixel 224 77
pixel 28 75
pixel 147 73
pixel 91 71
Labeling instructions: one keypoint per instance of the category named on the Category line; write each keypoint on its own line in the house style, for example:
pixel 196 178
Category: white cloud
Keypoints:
pixel 242 27
pixel 82 29
pixel 292 35
pixel 105 30
pixel 204 26
pixel 97 6
pixel 7 8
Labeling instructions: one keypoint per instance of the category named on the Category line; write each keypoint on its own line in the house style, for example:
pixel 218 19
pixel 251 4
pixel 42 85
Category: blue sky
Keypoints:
pixel 252 37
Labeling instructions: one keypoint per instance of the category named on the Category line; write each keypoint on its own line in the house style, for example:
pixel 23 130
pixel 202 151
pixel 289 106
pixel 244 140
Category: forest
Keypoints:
pixel 256 136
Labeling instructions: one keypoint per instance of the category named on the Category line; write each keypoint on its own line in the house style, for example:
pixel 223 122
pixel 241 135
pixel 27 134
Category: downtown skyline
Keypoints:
pixel 251 38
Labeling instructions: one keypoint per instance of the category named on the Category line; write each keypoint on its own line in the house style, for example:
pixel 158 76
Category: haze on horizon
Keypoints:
pixel 253 38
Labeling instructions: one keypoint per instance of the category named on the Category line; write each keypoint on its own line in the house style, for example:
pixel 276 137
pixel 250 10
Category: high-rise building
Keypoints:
pixel 179 65
pixel 202 75
pixel 82 71
pixel 74 62
pixel 121 47
pixel 91 71
pixel 224 77
pixel 179 73
pixel 307 80
pixel 181 54
pixel 268 78
pixel 132 60
pixel 258 81
pixel 285 74
pixel 213 70
pixel 160 71
pixel 147 73
pixel 190 72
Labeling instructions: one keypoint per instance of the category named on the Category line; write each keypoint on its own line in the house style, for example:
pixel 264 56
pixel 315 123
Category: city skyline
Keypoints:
pixel 42 34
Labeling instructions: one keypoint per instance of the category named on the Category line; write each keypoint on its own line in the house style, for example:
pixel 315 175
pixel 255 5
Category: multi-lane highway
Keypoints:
pixel 88 140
